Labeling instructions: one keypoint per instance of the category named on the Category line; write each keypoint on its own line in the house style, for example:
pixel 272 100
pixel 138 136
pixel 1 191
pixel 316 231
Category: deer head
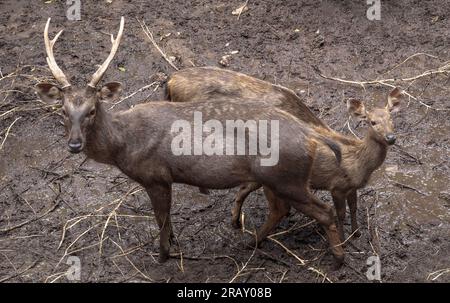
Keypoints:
pixel 379 119
pixel 79 105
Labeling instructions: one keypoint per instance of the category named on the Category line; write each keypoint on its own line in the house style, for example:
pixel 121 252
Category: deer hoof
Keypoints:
pixel 338 261
pixel 236 224
pixel 252 244
pixel 163 256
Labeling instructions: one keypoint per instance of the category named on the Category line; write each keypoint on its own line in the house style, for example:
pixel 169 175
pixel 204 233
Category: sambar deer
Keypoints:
pixel 139 142
pixel 360 158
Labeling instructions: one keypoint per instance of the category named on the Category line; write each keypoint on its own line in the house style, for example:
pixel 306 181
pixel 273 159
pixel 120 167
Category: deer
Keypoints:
pixel 359 158
pixel 139 142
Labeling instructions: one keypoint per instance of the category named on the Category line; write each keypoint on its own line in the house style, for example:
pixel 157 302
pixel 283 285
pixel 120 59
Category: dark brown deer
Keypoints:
pixel 139 142
pixel 360 158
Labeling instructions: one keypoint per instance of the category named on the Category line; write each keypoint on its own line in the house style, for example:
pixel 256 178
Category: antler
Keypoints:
pixel 56 71
pixel 115 45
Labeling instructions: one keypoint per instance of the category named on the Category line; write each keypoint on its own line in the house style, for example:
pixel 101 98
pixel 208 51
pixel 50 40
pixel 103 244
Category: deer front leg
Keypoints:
pixel 339 204
pixel 161 198
pixel 239 199
pixel 352 200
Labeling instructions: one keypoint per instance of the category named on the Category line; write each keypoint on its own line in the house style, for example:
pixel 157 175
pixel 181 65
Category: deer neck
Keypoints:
pixel 369 155
pixel 104 137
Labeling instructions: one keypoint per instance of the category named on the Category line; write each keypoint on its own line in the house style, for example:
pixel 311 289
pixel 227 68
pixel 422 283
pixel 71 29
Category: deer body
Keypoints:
pixel 139 142
pixel 360 158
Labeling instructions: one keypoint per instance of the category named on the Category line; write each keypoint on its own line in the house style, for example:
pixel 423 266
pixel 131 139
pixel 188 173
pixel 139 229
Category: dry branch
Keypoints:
pixel 7 132
pixel 149 35
pixel 19 273
pixel 134 93
pixel 444 69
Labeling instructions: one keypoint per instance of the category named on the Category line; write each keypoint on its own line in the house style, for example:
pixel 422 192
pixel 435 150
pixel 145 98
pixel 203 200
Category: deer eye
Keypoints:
pixel 64 112
pixel 373 123
pixel 92 112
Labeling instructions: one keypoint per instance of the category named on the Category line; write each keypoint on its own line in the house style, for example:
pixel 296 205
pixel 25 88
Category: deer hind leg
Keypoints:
pixel 161 199
pixel 352 205
pixel 302 200
pixel 239 199
pixel 278 209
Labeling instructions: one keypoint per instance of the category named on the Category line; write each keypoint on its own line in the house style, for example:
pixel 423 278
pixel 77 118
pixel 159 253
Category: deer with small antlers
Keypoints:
pixel 360 158
pixel 139 142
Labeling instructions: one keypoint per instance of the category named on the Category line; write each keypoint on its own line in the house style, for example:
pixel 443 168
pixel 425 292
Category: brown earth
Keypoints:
pixel 404 211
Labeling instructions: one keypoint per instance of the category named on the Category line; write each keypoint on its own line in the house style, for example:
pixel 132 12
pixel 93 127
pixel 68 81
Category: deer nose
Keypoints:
pixel 75 146
pixel 390 139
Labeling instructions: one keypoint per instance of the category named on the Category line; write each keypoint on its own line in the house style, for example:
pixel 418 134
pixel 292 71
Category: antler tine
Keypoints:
pixel 54 68
pixel 115 45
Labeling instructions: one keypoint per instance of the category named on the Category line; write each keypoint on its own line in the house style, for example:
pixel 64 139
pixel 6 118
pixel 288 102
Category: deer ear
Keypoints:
pixel 356 109
pixel 110 91
pixel 49 93
pixel 394 100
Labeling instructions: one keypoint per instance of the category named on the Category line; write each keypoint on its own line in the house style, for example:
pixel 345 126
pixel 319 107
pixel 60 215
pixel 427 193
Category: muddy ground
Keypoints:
pixel 54 204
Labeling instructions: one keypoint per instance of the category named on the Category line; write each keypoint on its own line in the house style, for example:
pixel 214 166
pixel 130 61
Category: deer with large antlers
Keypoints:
pixel 360 158
pixel 139 141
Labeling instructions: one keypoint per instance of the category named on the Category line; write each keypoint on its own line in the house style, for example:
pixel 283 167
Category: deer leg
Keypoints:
pixel 339 204
pixel 352 204
pixel 278 209
pixel 161 198
pixel 239 199
pixel 308 204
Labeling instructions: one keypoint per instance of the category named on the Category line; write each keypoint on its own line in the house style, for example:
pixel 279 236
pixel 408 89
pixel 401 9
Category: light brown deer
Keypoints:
pixel 139 142
pixel 360 158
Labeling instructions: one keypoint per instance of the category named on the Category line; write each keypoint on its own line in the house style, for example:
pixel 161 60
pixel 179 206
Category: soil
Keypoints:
pixel 54 204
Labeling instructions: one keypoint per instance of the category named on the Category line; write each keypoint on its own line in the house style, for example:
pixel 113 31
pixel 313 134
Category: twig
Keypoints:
pixel 348 238
pixel 242 9
pixel 302 262
pixel 149 34
pixel 132 94
pixel 410 187
pixel 7 132
pixel 56 276
pixel 294 227
pixel 52 208
pixel 113 212
pixel 320 274
pixel 441 70
pixel 239 273
pixel 282 277
pixel 132 264
pixel 436 274
pixel 409 58
pixel 19 273
pixel 350 129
